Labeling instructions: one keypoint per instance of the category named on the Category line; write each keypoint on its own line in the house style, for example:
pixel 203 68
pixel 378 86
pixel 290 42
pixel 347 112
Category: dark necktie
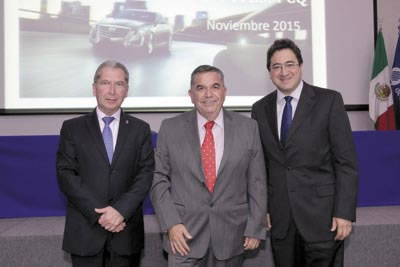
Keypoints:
pixel 286 120
pixel 107 137
pixel 208 157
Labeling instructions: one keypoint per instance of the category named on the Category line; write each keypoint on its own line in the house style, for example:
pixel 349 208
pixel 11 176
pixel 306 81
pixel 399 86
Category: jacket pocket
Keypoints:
pixel 325 190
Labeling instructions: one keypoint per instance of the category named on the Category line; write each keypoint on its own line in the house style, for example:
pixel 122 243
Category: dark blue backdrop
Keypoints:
pixel 28 184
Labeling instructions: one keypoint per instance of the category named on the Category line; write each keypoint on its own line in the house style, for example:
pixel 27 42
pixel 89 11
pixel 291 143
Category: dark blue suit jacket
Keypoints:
pixel 314 177
pixel 89 181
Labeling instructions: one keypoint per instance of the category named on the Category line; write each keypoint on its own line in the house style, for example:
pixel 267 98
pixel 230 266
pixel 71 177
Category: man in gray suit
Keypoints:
pixel 311 164
pixel 209 187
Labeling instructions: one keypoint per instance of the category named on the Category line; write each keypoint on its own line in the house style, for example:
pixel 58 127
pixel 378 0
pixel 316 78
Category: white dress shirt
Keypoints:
pixel 218 134
pixel 114 125
pixel 281 102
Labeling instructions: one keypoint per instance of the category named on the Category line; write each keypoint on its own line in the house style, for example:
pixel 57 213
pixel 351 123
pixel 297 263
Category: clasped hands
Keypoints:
pixel 111 219
pixel 178 234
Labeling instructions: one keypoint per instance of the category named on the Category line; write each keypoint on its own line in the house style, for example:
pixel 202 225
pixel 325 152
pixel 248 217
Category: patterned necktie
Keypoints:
pixel 286 120
pixel 107 137
pixel 208 157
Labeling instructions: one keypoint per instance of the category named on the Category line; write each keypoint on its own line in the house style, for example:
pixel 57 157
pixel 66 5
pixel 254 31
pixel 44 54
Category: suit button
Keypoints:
pixel 289 168
pixel 211 205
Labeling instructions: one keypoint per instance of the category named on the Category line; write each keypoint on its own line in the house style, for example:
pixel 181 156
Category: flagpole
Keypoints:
pixel 395 80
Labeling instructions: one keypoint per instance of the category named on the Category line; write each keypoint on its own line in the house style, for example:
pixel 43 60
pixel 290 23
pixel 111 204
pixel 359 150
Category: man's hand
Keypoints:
pixel 111 219
pixel 342 228
pixel 120 228
pixel 177 237
pixel 269 225
pixel 251 243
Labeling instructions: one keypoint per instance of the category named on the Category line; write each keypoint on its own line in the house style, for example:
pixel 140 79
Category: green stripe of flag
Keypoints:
pixel 380 59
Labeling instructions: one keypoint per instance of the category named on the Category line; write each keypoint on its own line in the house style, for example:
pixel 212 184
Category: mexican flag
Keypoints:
pixel 381 109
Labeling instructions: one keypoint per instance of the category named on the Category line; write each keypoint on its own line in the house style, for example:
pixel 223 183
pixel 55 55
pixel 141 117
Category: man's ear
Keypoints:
pixel 190 93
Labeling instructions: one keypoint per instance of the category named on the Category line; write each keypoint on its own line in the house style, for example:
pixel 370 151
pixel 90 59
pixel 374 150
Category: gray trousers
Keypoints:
pixel 209 260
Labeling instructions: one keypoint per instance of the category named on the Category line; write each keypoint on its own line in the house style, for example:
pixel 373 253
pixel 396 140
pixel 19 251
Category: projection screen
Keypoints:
pixel 53 47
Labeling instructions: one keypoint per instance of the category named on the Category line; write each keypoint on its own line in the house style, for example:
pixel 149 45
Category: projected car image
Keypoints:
pixel 160 41
pixel 135 28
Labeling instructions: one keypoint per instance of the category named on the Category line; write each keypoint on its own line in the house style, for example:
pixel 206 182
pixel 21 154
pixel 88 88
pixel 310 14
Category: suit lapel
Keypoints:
pixel 228 140
pixel 270 113
pixel 92 123
pixel 194 140
pixel 123 131
pixel 304 107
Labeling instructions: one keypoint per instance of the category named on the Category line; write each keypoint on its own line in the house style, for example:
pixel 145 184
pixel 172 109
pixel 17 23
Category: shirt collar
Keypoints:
pixel 101 114
pixel 219 121
pixel 295 94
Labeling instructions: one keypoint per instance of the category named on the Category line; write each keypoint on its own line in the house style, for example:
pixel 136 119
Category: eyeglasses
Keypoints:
pixel 107 84
pixel 288 65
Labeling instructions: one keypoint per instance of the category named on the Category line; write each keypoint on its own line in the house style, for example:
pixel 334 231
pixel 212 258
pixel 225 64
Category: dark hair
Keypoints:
pixel 203 69
pixel 111 64
pixel 283 44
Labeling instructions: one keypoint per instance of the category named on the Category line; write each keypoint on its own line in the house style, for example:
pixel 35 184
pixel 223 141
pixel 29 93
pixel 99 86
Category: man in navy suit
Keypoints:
pixel 105 166
pixel 312 175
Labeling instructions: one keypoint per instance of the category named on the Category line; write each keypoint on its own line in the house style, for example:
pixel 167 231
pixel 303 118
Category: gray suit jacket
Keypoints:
pixel 235 209
pixel 314 177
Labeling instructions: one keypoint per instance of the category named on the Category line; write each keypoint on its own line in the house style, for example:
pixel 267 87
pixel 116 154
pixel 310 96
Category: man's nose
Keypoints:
pixel 112 88
pixel 284 70
pixel 208 92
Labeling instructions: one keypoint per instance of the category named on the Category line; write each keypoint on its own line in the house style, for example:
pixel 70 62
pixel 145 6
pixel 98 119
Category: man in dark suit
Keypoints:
pixel 209 188
pixel 105 166
pixel 311 164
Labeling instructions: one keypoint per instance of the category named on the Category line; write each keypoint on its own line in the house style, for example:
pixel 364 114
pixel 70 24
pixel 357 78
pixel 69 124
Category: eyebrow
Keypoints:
pixel 111 81
pixel 213 85
pixel 289 61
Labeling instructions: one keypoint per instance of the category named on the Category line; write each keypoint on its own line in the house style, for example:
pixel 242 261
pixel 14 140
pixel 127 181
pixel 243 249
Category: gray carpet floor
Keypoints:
pixel 32 242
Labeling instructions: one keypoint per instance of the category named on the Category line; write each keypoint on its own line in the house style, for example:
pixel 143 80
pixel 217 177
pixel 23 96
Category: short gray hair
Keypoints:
pixel 111 64
pixel 203 69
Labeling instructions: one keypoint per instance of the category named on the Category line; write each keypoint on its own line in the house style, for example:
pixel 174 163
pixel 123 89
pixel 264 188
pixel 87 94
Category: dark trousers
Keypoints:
pixel 106 258
pixel 294 251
